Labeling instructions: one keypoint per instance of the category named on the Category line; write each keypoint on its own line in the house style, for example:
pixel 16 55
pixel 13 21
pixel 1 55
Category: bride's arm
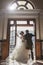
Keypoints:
pixel 18 35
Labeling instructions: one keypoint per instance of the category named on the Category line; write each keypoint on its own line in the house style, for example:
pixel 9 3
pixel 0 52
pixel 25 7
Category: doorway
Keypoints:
pixel 15 26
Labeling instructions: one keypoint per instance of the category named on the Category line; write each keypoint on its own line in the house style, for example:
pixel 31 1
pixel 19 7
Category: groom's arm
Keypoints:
pixel 33 35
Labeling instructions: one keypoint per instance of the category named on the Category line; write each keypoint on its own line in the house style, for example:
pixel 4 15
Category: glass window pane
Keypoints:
pixel 21 8
pixel 12 28
pixel 12 41
pixel 11 46
pixel 24 28
pixel 13 32
pixel 29 6
pixel 21 22
pixel 21 2
pixel 12 22
pixel 21 5
pixel 12 35
pixel 31 22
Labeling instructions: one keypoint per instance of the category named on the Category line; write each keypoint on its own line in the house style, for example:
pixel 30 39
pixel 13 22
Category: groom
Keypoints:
pixel 28 37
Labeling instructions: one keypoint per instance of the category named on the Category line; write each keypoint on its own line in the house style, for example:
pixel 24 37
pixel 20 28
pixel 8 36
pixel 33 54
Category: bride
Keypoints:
pixel 20 53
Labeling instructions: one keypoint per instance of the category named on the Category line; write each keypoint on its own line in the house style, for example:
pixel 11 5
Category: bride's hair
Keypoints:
pixel 21 32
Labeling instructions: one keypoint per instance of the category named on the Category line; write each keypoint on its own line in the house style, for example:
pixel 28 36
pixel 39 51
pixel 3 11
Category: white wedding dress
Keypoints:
pixel 20 53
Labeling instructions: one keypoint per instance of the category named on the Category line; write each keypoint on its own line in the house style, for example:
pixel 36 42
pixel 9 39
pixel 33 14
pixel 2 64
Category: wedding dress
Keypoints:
pixel 20 53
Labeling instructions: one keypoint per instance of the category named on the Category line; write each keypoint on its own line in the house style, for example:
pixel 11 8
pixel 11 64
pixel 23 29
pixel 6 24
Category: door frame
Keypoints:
pixel 27 20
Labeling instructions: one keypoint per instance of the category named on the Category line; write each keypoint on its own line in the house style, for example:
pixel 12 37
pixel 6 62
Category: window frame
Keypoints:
pixel 16 1
pixel 19 25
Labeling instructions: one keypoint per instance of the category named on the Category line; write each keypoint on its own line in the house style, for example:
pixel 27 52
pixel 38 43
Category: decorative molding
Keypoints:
pixel 20 11
pixel 20 14
pixel 34 12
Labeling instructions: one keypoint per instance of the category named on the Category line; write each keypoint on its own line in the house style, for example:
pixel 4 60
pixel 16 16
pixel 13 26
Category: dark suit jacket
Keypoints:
pixel 28 38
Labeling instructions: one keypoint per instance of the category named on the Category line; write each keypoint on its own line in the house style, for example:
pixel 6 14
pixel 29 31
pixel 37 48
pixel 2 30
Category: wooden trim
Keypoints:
pixel 24 24
pixel 41 49
pixel 15 19
pixel 40 42
pixel 38 50
pixel 3 40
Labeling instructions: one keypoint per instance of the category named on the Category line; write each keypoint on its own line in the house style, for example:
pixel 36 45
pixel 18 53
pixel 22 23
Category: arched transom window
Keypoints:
pixel 21 5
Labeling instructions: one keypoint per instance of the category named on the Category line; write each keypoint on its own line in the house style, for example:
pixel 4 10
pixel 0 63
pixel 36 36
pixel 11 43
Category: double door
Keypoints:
pixel 16 26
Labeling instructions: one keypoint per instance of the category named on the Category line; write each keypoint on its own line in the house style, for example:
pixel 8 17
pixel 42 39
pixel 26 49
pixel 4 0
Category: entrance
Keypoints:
pixel 16 26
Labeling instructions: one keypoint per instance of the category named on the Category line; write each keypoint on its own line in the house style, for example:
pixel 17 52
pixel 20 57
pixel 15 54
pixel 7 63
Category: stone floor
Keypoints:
pixel 17 63
pixel 38 63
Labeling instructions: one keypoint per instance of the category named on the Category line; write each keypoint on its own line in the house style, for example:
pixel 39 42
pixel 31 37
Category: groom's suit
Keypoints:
pixel 28 37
